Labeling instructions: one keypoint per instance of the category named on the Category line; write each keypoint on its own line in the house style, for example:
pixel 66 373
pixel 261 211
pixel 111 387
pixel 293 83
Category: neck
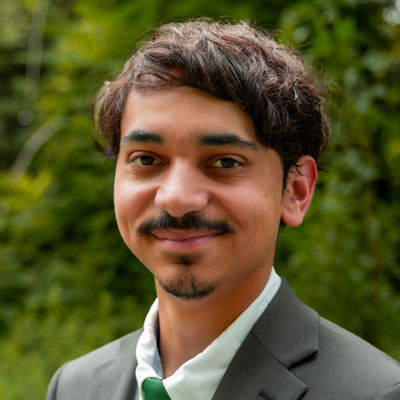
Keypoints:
pixel 187 327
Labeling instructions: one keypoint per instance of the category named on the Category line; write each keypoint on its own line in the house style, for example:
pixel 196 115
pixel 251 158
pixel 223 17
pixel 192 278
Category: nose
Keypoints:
pixel 181 191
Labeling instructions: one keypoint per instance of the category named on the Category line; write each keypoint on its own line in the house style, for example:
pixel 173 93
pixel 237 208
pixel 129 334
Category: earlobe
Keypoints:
pixel 299 191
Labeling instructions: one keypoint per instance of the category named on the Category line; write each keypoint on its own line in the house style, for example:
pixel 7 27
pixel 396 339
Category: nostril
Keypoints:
pixel 180 202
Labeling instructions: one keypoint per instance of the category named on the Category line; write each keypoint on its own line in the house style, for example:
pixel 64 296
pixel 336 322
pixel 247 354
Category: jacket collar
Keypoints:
pixel 115 378
pixel 285 335
pixel 288 328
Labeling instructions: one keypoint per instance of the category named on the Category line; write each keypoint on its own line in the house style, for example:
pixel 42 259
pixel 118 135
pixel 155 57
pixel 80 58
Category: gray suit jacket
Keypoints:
pixel 290 353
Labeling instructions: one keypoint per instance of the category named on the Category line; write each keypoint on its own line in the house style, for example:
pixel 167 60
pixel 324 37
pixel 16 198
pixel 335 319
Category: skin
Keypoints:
pixel 186 153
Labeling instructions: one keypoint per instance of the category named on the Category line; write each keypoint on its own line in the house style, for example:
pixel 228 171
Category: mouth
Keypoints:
pixel 184 239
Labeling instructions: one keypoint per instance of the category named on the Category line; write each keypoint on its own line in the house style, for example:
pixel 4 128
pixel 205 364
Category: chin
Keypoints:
pixel 187 287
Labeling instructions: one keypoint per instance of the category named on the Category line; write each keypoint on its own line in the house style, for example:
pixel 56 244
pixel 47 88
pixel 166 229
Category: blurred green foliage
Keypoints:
pixel 68 283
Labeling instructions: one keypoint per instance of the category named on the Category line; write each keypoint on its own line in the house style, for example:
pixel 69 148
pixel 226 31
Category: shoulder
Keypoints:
pixel 82 367
pixel 346 364
pixel 74 378
pixel 332 362
pixel 332 334
pixel 348 349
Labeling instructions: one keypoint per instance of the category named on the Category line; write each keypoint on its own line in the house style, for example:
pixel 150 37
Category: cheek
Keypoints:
pixel 130 200
pixel 253 207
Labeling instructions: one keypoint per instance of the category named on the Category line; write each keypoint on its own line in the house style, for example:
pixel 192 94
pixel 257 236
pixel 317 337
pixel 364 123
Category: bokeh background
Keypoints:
pixel 67 282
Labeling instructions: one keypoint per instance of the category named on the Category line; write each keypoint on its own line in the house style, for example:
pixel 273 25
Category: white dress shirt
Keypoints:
pixel 198 378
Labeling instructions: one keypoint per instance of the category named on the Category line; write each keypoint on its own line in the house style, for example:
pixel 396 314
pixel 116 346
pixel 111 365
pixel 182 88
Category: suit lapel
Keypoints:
pixel 255 374
pixel 285 335
pixel 115 378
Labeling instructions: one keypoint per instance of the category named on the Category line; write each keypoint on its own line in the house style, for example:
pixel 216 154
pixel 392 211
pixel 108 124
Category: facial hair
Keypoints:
pixel 187 286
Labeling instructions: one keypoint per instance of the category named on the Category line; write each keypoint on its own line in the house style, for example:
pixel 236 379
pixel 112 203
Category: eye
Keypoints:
pixel 145 160
pixel 226 162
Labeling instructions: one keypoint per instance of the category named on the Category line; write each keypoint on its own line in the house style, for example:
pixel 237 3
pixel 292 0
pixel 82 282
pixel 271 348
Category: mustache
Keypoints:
pixel 189 221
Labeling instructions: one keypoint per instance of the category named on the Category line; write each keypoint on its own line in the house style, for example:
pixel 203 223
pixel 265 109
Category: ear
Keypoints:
pixel 299 191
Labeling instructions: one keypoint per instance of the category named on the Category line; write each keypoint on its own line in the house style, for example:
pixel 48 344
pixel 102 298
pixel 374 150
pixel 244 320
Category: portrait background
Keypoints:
pixel 68 284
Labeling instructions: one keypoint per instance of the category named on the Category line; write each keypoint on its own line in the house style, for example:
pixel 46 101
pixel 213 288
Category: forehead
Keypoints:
pixel 184 112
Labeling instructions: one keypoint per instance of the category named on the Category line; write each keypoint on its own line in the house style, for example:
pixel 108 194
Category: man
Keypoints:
pixel 218 133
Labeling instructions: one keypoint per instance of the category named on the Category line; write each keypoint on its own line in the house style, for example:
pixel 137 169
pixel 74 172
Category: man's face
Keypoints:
pixel 197 198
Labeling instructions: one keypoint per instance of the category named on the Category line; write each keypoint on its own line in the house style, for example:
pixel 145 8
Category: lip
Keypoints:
pixel 184 239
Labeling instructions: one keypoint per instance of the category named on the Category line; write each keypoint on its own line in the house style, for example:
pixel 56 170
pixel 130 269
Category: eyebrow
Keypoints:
pixel 142 136
pixel 226 139
pixel 209 139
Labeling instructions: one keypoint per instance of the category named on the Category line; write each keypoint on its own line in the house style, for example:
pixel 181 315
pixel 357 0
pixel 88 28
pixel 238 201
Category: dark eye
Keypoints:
pixel 226 163
pixel 145 160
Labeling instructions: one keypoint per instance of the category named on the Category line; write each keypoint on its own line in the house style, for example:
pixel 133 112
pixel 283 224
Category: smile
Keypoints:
pixel 184 239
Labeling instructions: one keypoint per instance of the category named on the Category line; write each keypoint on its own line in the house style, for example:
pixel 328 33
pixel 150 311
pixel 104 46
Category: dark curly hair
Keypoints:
pixel 235 62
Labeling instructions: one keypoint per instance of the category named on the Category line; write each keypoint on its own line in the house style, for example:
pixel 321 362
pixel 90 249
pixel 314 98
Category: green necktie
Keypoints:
pixel 154 389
